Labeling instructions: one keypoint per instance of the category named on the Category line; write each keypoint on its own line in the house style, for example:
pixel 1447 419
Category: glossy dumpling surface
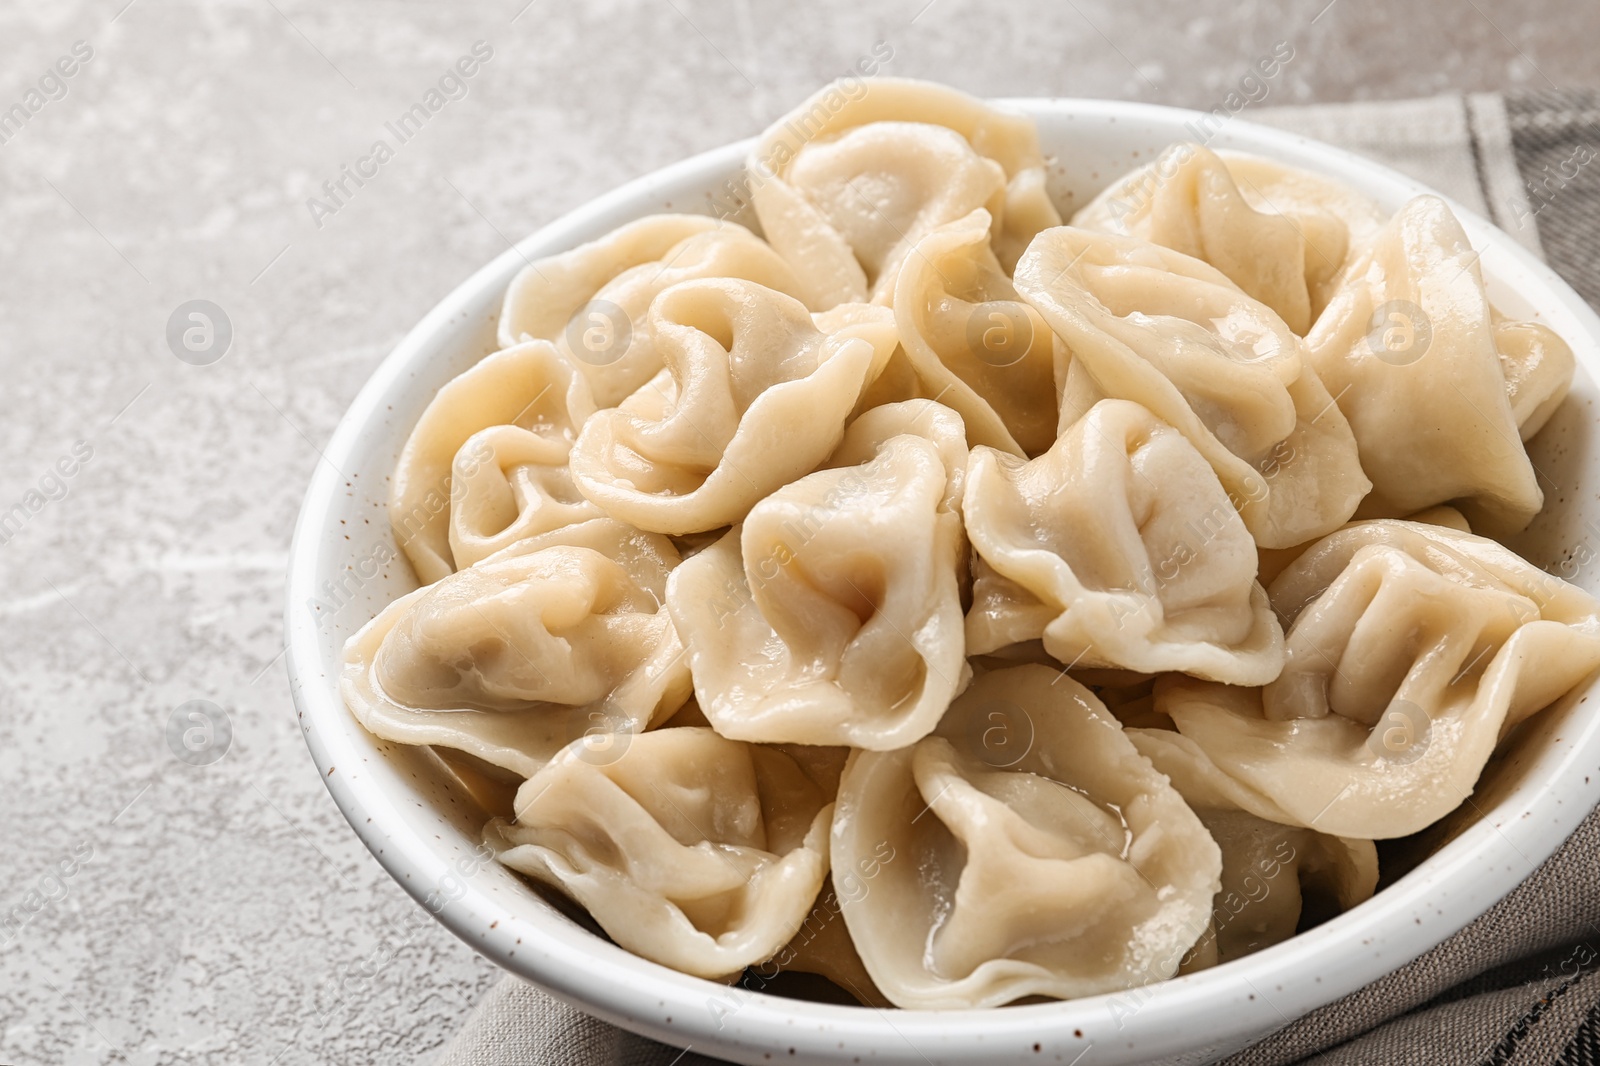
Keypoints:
pixel 516 657
pixel 753 396
pixel 1538 367
pixel 832 615
pixel 1144 323
pixel 698 852
pixel 1411 650
pixel 849 181
pixel 1409 346
pixel 1272 874
pixel 1280 234
pixel 973 342
pixel 1036 852
pixel 507 484
pixel 537 400
pixel 591 302
pixel 1118 547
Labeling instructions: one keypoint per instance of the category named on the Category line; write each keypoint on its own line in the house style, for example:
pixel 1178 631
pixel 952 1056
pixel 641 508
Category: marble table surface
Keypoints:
pixel 218 909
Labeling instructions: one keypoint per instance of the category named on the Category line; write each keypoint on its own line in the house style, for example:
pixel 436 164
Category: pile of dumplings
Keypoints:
pixel 965 606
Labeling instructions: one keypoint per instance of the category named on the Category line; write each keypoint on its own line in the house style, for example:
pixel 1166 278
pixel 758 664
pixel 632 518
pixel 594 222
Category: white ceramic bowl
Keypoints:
pixel 398 801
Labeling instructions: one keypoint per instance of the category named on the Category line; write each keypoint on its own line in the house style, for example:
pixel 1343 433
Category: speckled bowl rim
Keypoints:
pixel 1190 1019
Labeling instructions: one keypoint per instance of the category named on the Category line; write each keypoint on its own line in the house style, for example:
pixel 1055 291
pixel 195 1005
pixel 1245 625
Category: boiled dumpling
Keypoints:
pixel 973 342
pixel 1412 650
pixel 536 394
pixel 1409 347
pixel 898 380
pixel 753 396
pixel 507 484
pixel 555 638
pixel 823 946
pixel 591 302
pixel 1271 874
pixel 846 183
pixel 697 852
pixel 1280 234
pixel 1119 548
pixel 1538 367
pixel 1274 560
pixel 832 615
pixel 1144 323
pixel 1035 852
pixel 1268 185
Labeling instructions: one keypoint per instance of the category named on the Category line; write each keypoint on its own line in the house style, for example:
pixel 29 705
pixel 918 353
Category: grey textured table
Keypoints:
pixel 159 910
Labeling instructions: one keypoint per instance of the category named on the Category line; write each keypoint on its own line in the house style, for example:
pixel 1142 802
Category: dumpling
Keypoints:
pixel 832 615
pixel 1035 852
pixel 846 183
pixel 1272 875
pixel 1119 548
pixel 1274 560
pixel 1127 694
pixel 823 946
pixel 1537 365
pixel 508 484
pixel 544 294
pixel 753 395
pixel 697 852
pixel 591 302
pixel 556 638
pixel 1144 323
pixel 1268 185
pixel 973 342
pixel 1409 347
pixel 529 388
pixel 898 380
pixel 1412 650
pixel 1285 247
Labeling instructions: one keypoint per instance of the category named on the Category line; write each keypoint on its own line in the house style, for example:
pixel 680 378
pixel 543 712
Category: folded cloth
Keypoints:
pixel 1521 984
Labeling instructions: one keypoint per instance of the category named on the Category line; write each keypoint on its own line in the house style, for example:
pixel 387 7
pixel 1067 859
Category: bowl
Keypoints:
pixel 409 809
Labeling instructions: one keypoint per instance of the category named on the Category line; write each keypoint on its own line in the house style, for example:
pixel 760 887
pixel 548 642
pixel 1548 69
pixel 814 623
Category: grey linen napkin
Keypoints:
pixel 1520 985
